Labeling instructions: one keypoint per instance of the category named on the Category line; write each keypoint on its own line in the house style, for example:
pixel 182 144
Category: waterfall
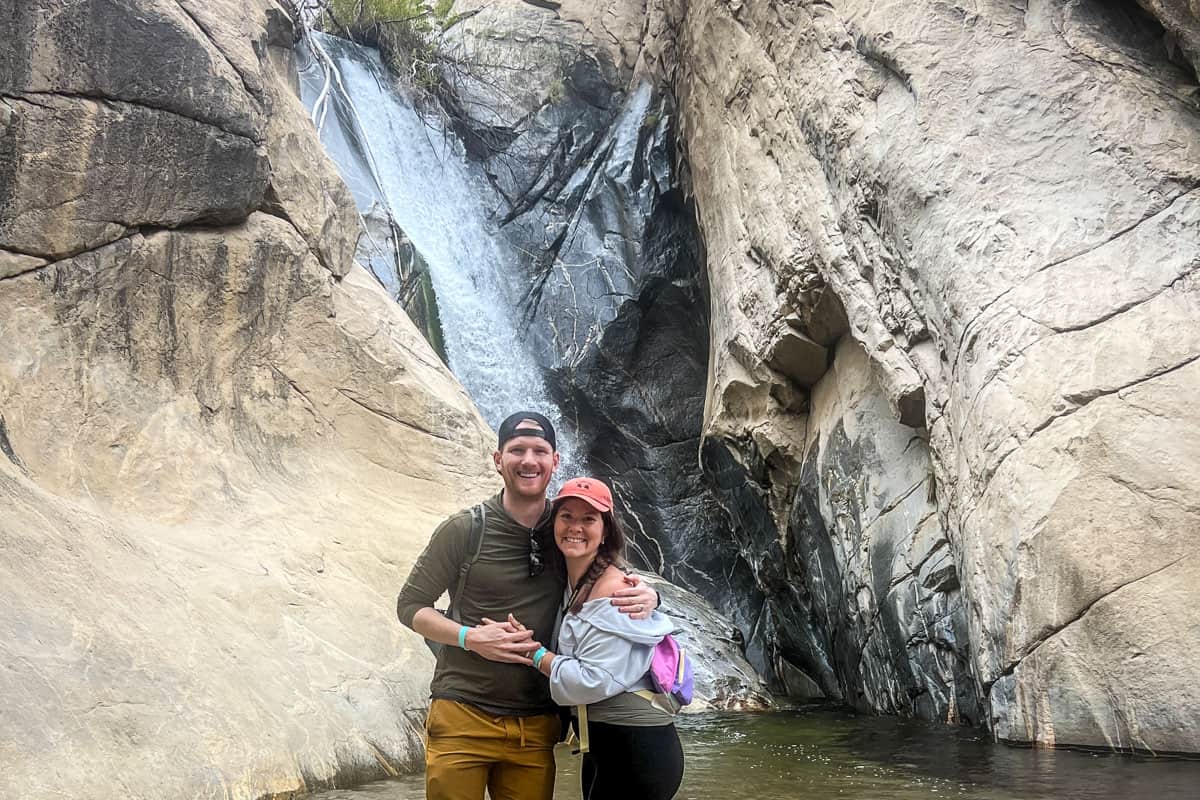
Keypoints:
pixel 406 167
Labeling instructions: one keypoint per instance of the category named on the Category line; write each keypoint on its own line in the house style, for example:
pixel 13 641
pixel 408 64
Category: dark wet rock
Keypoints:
pixel 615 303
pixel 861 591
pixel 1180 20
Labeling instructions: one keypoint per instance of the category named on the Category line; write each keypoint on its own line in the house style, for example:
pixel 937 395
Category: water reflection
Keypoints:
pixel 819 754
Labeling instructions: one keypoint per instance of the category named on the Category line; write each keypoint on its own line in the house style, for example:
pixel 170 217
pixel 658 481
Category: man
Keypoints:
pixel 491 722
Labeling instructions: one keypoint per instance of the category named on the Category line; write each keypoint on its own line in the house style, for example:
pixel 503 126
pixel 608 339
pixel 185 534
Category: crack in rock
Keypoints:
pixel 1046 636
pixel 6 446
pixel 350 395
pixel 1195 264
pixel 1081 400
pixel 99 97
pixel 255 93
pixel 969 329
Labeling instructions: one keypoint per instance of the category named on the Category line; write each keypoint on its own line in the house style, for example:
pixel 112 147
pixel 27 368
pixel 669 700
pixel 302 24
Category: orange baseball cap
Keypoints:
pixel 594 492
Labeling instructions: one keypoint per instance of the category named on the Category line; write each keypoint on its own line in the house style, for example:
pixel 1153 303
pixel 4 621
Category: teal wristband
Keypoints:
pixel 538 655
pixel 462 637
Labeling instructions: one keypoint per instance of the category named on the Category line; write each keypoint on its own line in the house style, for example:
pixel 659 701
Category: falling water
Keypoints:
pixel 398 163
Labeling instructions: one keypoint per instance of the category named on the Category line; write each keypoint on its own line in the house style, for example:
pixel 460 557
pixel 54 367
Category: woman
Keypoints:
pixel 603 657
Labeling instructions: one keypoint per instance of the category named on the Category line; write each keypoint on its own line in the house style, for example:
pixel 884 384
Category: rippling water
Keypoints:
pixel 817 754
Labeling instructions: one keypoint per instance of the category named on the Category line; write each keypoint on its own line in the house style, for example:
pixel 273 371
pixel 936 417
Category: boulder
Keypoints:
pixel 724 680
pixel 798 357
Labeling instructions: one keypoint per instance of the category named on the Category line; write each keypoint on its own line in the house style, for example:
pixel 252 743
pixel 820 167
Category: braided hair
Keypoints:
pixel 610 553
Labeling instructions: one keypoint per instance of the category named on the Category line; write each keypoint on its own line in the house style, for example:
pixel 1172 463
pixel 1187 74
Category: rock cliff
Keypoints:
pixel 950 261
pixel 221 440
pixel 894 305
pixel 996 521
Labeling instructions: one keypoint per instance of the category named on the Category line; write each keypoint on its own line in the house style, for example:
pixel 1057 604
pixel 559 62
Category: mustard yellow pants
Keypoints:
pixel 468 750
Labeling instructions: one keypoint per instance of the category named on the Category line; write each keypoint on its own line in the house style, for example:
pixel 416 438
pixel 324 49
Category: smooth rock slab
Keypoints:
pixel 220 465
pixel 1053 693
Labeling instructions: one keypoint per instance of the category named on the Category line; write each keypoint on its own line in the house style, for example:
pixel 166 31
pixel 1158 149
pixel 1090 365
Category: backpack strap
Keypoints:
pixel 584 741
pixel 474 546
pixel 663 702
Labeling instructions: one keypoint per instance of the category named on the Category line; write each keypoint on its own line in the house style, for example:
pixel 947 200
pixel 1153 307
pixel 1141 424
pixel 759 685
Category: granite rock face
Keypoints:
pixel 998 207
pixel 220 440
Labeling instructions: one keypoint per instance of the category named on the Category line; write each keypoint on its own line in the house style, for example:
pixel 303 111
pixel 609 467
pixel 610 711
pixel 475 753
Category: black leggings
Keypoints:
pixel 631 763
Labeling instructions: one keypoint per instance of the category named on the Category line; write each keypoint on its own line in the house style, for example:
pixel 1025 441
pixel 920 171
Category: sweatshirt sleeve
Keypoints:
pixel 603 665
pixel 436 569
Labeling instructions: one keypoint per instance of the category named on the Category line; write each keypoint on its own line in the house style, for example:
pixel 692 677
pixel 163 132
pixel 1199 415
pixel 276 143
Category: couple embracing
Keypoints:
pixel 543 616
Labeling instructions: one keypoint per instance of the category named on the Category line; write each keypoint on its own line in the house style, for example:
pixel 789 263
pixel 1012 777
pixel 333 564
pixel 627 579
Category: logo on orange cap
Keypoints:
pixel 594 492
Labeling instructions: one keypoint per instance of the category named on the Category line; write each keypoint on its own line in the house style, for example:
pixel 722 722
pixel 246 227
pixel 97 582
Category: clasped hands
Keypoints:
pixel 507 640
pixel 511 642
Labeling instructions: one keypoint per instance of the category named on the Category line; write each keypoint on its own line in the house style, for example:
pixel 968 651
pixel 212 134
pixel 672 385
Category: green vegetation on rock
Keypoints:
pixel 404 32
pixel 424 309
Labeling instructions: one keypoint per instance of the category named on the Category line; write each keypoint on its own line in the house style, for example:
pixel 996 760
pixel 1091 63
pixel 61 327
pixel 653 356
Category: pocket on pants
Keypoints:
pixel 433 719
pixel 450 718
pixel 542 731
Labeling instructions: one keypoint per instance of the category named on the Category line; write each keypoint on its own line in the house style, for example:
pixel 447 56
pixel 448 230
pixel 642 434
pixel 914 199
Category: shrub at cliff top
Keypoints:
pixel 404 31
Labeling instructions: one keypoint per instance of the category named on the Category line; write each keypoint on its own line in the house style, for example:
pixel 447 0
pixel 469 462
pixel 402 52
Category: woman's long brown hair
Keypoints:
pixel 611 552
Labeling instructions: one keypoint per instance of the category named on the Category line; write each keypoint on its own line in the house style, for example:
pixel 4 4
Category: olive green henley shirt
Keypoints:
pixel 499 583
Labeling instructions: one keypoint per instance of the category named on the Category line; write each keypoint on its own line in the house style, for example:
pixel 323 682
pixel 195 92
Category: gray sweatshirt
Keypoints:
pixel 603 654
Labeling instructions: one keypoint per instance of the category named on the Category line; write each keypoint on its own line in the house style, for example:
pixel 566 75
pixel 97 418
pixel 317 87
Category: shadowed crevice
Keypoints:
pixel 6 446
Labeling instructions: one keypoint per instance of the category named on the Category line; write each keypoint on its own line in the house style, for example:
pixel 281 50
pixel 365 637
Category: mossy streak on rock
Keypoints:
pixel 423 308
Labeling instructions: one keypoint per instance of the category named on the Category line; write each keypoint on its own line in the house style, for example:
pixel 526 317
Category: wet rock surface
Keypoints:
pixel 581 147
pixel 725 681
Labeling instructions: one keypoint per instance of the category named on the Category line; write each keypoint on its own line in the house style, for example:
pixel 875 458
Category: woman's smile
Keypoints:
pixel 578 529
